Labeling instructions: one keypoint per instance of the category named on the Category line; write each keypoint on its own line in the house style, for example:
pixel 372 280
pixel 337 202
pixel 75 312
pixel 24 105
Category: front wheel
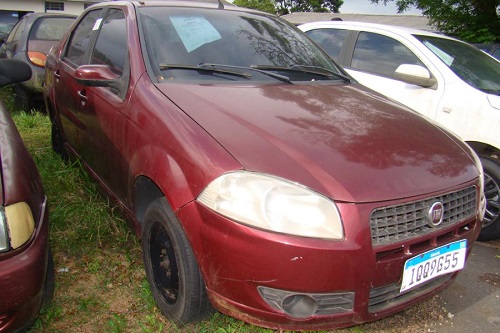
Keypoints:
pixel 491 221
pixel 171 268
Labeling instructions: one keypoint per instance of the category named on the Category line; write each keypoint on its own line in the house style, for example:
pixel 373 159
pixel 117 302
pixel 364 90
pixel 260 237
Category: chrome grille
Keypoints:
pixel 401 222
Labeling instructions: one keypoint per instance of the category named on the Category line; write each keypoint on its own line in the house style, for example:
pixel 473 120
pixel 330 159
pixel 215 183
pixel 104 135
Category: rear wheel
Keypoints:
pixel 171 268
pixel 57 140
pixel 22 100
pixel 491 221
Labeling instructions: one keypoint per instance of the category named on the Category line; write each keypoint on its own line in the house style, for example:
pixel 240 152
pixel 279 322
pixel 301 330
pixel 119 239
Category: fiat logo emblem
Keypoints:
pixel 435 214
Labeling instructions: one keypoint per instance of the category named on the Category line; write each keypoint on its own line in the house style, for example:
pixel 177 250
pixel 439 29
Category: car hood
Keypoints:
pixel 344 141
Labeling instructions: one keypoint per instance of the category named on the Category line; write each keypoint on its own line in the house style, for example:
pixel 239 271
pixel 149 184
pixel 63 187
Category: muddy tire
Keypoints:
pixel 171 267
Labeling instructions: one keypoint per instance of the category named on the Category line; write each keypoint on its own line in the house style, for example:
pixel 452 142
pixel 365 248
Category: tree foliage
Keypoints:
pixel 263 5
pixel 475 21
pixel 282 7
pixel 291 6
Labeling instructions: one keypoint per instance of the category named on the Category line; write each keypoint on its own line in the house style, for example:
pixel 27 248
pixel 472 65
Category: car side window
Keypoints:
pixel 330 40
pixel 80 39
pixel 50 28
pixel 111 45
pixel 381 55
pixel 17 32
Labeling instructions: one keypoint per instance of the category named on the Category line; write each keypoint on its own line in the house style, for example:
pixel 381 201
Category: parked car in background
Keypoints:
pixel 30 41
pixel 262 181
pixel 491 48
pixel 447 80
pixel 26 266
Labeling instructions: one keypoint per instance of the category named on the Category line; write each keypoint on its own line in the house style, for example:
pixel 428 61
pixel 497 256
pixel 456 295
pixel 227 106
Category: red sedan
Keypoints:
pixel 263 181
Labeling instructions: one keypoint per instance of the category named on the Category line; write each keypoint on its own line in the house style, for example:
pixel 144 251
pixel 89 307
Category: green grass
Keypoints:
pixel 100 280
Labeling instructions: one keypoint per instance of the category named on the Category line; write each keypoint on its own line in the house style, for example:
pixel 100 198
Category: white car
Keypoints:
pixel 447 80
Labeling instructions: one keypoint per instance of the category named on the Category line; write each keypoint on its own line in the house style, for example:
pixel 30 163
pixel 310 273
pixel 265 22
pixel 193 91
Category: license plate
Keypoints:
pixel 426 266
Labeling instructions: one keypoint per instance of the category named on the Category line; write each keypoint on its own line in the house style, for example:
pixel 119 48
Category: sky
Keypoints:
pixel 366 7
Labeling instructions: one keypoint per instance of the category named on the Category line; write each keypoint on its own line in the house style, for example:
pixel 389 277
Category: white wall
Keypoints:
pixel 70 6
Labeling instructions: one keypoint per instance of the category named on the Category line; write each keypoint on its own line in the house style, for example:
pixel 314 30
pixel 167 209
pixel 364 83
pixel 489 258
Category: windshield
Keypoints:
pixel 195 43
pixel 467 62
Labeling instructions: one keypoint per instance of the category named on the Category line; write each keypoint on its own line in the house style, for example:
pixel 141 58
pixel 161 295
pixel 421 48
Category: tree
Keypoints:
pixel 263 5
pixel 475 21
pixel 291 6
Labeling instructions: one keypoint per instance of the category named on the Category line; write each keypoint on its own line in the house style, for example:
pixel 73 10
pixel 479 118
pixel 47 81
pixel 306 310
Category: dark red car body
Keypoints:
pixel 24 283
pixel 146 138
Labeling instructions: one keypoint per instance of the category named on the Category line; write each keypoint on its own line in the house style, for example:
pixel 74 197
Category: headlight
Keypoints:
pixel 16 225
pixel 273 204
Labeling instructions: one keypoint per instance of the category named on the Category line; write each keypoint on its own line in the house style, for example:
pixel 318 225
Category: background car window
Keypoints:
pixel 496 54
pixel 470 64
pixel 50 28
pixel 17 32
pixel 78 43
pixel 111 45
pixel 381 55
pixel 330 40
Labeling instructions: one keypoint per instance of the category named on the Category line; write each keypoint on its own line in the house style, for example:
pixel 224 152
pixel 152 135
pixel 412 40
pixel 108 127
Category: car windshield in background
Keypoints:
pixel 467 62
pixel 184 43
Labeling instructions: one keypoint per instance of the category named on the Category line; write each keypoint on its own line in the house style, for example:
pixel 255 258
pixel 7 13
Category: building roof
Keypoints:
pixel 410 21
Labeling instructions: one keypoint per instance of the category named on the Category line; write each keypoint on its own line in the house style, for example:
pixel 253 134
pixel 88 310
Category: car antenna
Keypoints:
pixel 221 5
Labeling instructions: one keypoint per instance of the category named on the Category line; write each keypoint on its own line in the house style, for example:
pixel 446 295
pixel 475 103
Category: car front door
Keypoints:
pixel 103 109
pixel 373 63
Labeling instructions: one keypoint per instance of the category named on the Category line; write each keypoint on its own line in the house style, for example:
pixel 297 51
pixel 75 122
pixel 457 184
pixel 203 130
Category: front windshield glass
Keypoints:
pixel 213 44
pixel 469 63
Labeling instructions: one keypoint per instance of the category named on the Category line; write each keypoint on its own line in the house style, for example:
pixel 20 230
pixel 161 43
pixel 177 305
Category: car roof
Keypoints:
pixel 353 25
pixel 181 3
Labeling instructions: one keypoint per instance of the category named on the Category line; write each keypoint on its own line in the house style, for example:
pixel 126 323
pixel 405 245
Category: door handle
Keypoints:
pixel 57 75
pixel 83 96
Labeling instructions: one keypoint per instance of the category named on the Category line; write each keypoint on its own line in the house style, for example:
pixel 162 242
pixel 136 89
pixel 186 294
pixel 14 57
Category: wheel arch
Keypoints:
pixel 158 174
pixel 144 192
pixel 484 149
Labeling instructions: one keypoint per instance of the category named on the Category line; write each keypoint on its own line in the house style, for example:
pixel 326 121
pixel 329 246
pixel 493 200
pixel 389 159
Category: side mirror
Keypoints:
pixel 13 71
pixel 96 76
pixel 415 74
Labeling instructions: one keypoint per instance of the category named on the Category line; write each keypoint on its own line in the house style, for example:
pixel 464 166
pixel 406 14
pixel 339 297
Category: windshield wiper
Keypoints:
pixel 273 75
pixel 205 67
pixel 306 69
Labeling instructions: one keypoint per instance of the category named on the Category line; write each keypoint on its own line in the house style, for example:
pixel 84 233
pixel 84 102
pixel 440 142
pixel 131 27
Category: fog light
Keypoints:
pixel 299 306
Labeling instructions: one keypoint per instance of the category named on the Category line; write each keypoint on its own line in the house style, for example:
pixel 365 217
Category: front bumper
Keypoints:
pixel 346 282
pixel 22 279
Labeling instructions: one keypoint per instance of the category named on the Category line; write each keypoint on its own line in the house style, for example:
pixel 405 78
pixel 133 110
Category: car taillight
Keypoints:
pixel 37 58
